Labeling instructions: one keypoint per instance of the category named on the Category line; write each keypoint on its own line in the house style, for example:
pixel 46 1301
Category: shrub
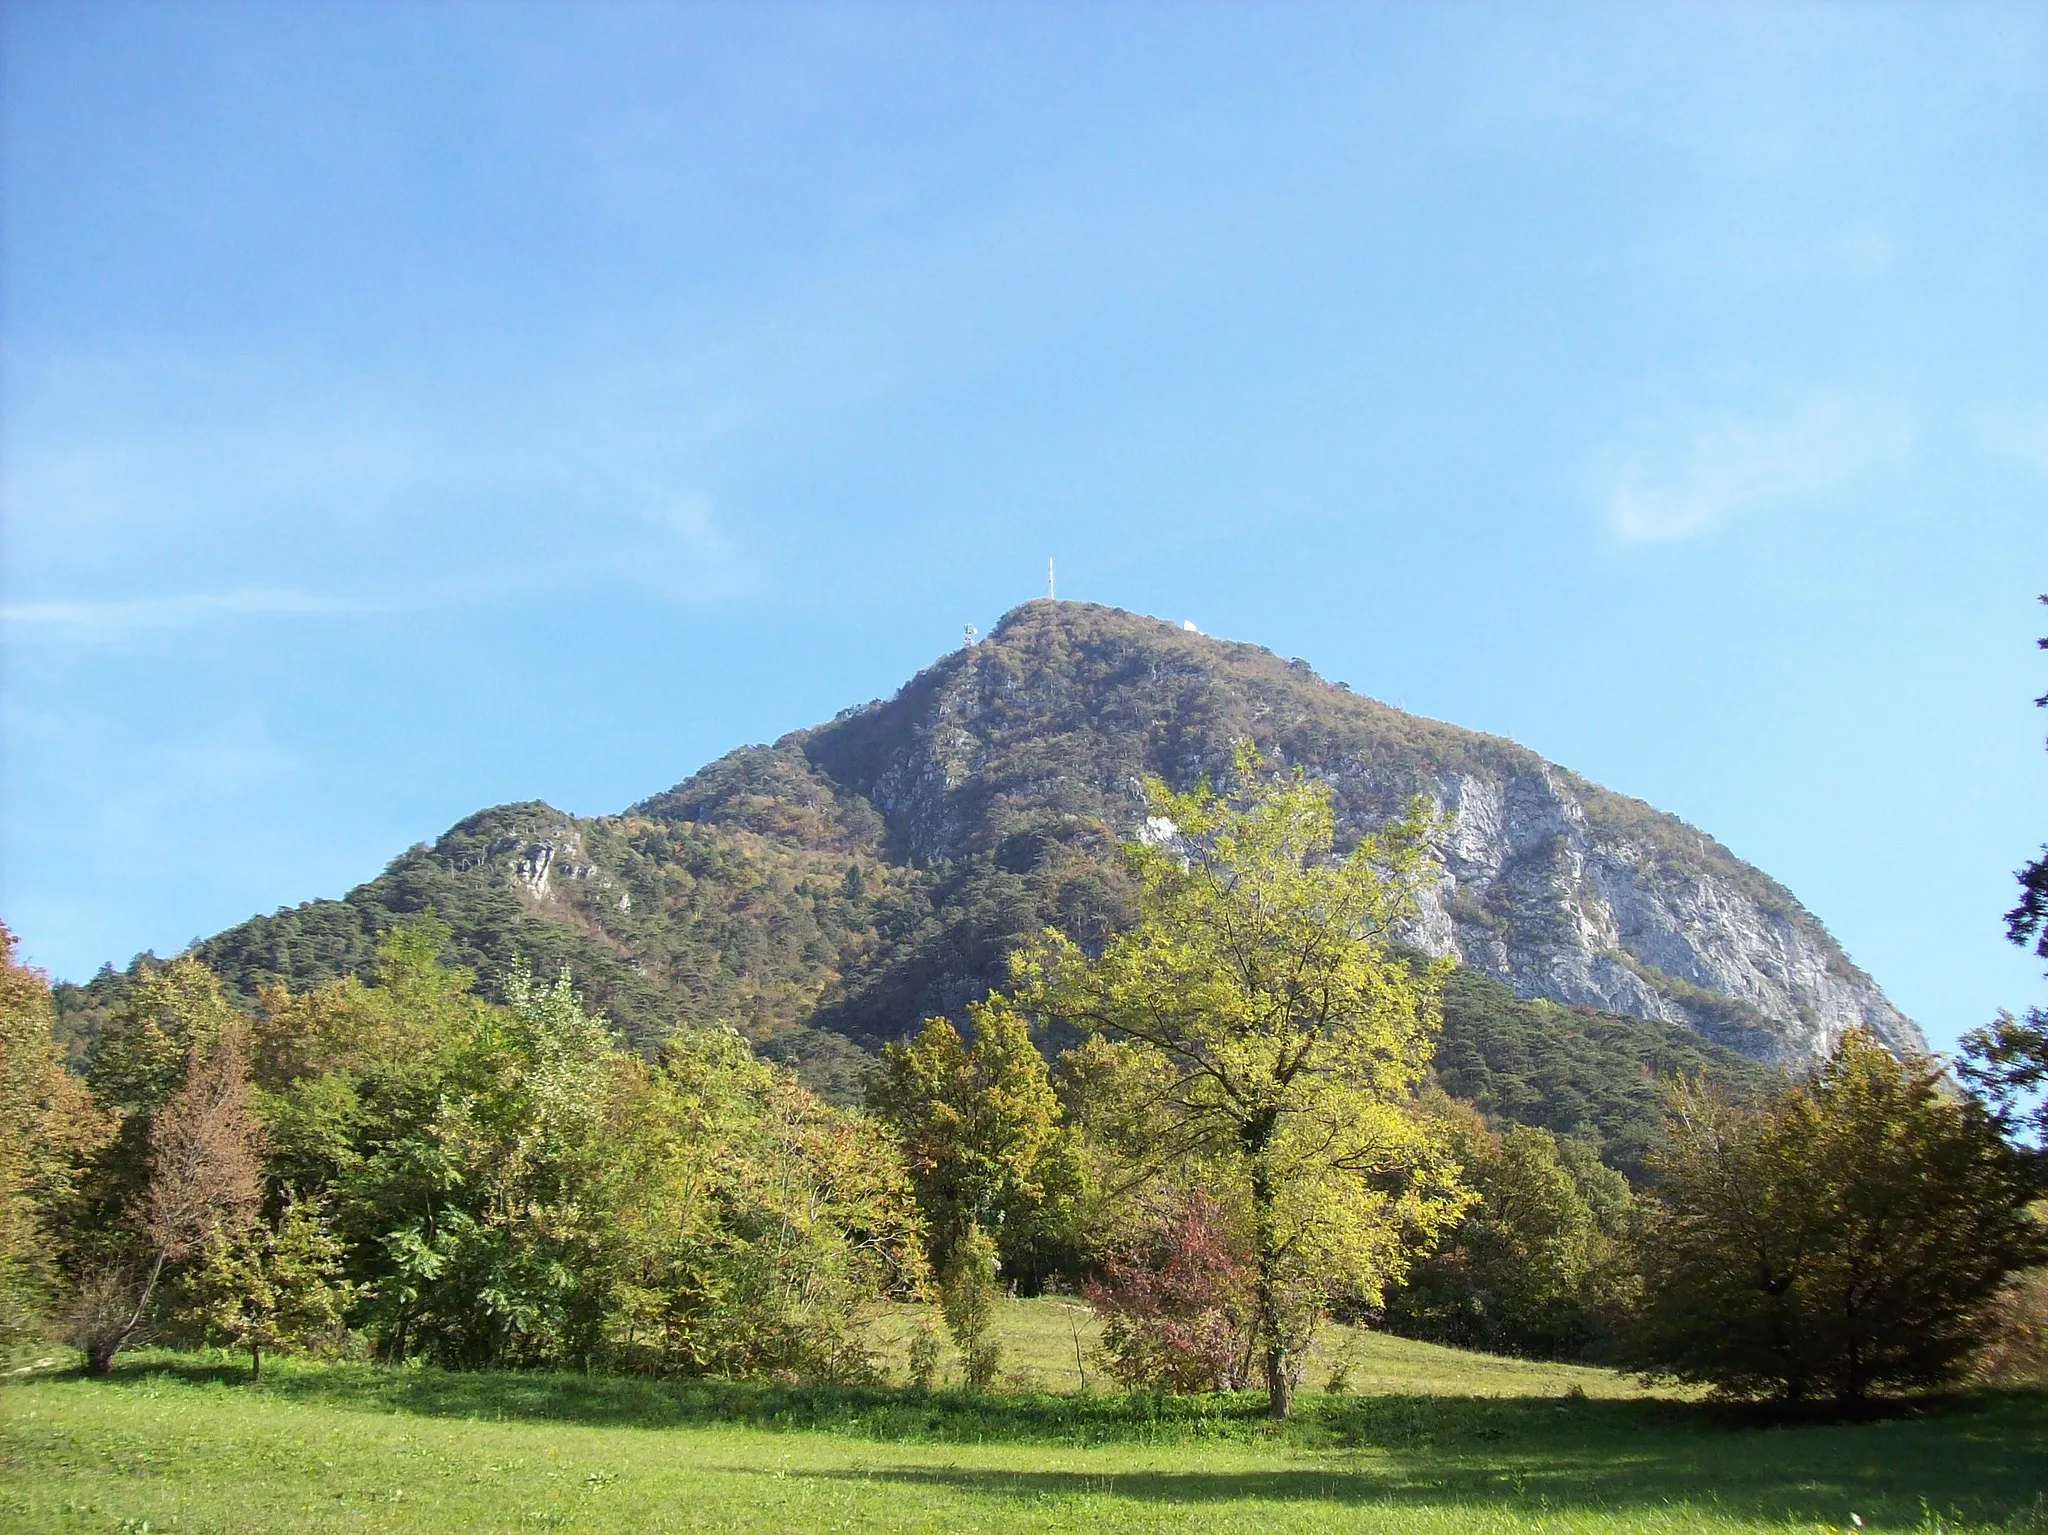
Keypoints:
pixel 2016 1351
pixel 969 1295
pixel 1176 1306
pixel 924 1354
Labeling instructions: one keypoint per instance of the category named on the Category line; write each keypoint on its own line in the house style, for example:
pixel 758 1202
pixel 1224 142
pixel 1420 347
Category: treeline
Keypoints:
pixel 408 1170
pixel 1248 1139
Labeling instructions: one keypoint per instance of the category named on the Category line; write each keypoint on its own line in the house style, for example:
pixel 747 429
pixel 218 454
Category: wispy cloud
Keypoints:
pixel 1686 474
pixel 122 615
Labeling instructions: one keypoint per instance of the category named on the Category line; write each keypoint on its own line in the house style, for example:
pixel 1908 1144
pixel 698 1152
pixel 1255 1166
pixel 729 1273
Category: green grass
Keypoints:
pixel 1447 1442
pixel 1041 1339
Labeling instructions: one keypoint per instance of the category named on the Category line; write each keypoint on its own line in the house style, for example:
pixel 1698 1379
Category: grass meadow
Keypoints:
pixel 1425 1439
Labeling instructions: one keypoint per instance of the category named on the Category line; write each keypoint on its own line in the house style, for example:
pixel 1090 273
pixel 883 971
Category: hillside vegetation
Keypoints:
pixel 825 894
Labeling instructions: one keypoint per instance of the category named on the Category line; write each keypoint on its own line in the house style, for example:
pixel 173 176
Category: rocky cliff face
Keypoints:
pixel 1564 904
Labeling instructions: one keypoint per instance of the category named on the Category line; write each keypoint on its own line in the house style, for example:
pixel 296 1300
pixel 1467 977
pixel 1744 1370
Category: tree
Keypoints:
pixel 1259 995
pixel 513 1188
pixel 205 1180
pixel 140 1056
pixel 1846 1237
pixel 48 1124
pixel 968 1295
pixel 2008 1061
pixel 981 1129
pixel 270 1287
pixel 1522 1272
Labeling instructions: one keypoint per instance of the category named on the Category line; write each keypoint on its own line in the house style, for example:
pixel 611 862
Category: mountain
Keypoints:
pixel 824 893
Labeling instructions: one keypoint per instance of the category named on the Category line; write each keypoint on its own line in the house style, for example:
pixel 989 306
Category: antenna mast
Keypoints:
pixel 1050 595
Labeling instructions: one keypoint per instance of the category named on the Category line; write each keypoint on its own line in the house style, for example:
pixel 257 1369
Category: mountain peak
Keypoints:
pixel 828 891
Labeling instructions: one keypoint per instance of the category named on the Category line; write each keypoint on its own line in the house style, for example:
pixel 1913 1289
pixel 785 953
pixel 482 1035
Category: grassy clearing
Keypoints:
pixel 1456 1443
pixel 1042 1338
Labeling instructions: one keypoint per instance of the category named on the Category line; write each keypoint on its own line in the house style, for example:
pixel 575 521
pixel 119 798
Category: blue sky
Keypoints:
pixel 409 408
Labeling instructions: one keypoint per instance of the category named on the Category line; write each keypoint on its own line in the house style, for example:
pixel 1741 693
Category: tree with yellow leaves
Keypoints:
pixel 1269 1034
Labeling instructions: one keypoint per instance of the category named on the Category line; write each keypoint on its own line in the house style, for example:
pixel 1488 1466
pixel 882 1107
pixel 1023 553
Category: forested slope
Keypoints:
pixel 825 893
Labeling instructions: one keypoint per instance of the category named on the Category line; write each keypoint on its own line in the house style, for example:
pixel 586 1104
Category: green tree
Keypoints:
pixel 204 1179
pixel 140 1056
pixel 1281 1037
pixel 1845 1238
pixel 1523 1271
pixel 513 1188
pixel 270 1287
pixel 969 1293
pixel 763 1225
pixel 980 1125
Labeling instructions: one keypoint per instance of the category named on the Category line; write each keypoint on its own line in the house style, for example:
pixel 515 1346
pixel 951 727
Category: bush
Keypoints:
pixel 1176 1307
pixel 2016 1351
pixel 969 1295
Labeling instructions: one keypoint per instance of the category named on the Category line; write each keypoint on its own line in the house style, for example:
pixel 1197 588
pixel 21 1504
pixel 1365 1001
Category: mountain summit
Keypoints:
pixel 825 893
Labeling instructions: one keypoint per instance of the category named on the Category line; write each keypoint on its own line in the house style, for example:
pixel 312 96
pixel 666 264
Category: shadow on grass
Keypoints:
pixel 1981 1457
pixel 1941 1495
pixel 904 1413
pixel 879 1412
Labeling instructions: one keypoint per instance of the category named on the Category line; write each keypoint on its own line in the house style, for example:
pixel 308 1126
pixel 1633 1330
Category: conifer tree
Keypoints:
pixel 969 1293
pixel 273 1288
pixel 2008 1060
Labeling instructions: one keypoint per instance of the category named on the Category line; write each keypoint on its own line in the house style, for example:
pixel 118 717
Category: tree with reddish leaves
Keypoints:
pixel 1177 1305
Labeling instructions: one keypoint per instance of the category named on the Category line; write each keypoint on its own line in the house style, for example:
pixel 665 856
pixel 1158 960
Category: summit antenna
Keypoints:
pixel 1050 594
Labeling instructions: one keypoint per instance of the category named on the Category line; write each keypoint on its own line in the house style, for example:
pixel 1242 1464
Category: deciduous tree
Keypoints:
pixel 1259 993
pixel 205 1179
pixel 981 1129
pixel 1845 1238
pixel 48 1124
pixel 1522 1272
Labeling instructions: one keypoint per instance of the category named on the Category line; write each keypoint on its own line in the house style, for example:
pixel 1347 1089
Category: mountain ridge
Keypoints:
pixel 826 891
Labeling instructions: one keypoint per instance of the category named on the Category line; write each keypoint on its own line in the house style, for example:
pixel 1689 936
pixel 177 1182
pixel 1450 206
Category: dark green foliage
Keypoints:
pixel 1578 1073
pixel 1531 1269
pixel 2027 922
pixel 1848 1236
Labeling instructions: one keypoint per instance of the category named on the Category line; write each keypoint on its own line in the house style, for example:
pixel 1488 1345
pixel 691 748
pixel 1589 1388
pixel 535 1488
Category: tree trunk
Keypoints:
pixel 1266 1293
pixel 255 1362
pixel 100 1351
